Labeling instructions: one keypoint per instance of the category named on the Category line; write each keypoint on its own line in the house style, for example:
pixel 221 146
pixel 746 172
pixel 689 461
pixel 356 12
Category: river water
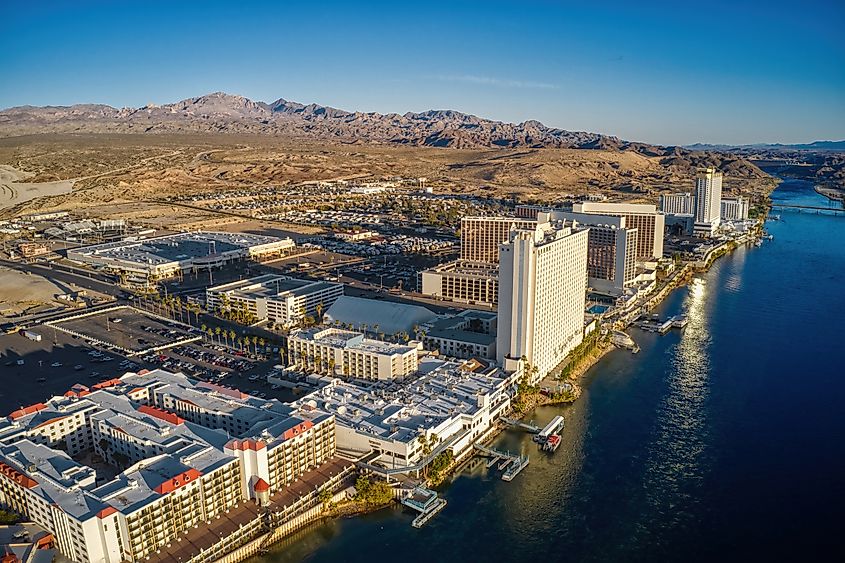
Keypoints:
pixel 725 440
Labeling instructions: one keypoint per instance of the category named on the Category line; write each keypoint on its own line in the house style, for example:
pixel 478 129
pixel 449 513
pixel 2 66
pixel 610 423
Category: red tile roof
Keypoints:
pixel 17 477
pixel 161 414
pixel 178 481
pixel 27 410
pixel 110 383
pixel 260 486
pixel 297 430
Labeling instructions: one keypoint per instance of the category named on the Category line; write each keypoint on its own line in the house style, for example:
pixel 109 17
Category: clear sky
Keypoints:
pixel 664 72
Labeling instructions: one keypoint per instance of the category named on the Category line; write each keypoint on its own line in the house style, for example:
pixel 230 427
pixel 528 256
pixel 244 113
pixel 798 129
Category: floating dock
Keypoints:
pixel 426 502
pixel 512 464
pixel 527 426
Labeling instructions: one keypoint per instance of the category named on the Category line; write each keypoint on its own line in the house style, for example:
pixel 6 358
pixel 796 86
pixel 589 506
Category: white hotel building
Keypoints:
pixel 708 202
pixel 343 353
pixel 542 294
pixel 451 403
pixel 279 299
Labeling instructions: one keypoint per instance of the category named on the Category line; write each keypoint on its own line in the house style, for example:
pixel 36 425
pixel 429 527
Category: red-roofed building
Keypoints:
pixel 177 481
pixel 27 410
pixel 297 430
pixel 106 384
pixel 161 414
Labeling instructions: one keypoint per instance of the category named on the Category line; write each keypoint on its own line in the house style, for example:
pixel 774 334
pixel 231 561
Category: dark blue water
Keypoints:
pixel 724 441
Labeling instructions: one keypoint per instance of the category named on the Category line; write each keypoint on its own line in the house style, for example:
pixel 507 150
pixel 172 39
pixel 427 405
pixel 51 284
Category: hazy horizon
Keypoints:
pixel 661 73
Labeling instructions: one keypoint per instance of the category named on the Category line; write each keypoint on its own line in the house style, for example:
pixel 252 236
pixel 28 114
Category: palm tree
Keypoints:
pixel 232 335
pixel 217 331
pixel 320 308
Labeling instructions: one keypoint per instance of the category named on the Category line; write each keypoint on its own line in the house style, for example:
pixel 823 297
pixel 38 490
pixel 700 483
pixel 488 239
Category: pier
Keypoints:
pixel 426 502
pixel 527 426
pixel 511 463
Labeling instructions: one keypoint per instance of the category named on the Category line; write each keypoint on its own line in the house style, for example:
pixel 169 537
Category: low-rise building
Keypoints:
pixel 449 405
pixel 338 352
pixel 462 281
pixel 471 334
pixel 144 262
pixel 279 299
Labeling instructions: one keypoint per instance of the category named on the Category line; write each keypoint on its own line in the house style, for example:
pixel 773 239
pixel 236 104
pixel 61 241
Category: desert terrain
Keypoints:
pixel 129 175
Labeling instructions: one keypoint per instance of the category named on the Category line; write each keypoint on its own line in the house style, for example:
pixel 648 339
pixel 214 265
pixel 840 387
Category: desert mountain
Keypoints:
pixel 226 113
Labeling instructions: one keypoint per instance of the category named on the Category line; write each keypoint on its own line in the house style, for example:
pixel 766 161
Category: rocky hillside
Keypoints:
pixel 221 112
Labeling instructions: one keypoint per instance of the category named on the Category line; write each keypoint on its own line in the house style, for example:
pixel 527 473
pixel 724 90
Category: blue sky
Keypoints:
pixel 662 72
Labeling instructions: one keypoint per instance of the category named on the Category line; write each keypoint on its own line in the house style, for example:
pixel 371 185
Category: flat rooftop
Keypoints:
pixel 180 446
pixel 398 411
pixel 271 285
pixel 178 247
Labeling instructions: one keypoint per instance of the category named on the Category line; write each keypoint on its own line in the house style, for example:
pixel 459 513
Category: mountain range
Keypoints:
pixel 225 113
pixel 814 146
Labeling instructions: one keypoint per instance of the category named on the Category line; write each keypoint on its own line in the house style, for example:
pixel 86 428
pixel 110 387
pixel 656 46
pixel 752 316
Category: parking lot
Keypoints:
pixel 128 328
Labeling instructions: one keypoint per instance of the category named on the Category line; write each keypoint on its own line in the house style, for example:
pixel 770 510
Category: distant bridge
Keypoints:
pixel 811 208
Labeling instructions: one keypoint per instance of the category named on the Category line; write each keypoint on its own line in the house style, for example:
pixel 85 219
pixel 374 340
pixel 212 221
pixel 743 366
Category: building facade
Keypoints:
pixel 677 204
pixel 649 223
pixel 337 352
pixel 279 299
pixel 462 281
pixel 734 209
pixel 481 236
pixel 708 201
pixel 542 293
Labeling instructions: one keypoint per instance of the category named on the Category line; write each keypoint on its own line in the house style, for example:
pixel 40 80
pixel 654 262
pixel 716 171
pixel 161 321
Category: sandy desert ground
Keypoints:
pixel 127 176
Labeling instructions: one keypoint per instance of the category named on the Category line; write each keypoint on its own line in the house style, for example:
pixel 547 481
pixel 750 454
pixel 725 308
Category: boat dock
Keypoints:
pixel 527 426
pixel 656 325
pixel 426 502
pixel 512 464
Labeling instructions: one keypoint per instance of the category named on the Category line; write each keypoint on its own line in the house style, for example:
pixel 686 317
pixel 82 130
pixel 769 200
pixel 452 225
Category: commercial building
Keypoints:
pixel 279 299
pixel 611 249
pixel 406 425
pixel 677 204
pixel 471 334
pixel 481 236
pixel 144 262
pixel 708 201
pixel 734 209
pixel 337 352
pixel 180 454
pixel 542 283
pixel 462 281
pixel 645 218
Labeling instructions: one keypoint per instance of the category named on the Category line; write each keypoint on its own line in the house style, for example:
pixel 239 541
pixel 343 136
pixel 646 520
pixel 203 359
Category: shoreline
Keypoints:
pixel 537 399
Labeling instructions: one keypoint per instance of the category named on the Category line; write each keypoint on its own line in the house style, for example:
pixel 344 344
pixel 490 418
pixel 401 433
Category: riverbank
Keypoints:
pixel 833 194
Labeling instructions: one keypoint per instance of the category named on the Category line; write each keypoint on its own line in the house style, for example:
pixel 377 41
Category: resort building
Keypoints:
pixel 481 236
pixel 734 209
pixel 178 456
pixel 338 352
pixel 145 262
pixel 646 219
pixel 471 334
pixel 449 405
pixel 280 299
pixel 542 283
pixel 677 204
pixel 462 281
pixel 708 202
